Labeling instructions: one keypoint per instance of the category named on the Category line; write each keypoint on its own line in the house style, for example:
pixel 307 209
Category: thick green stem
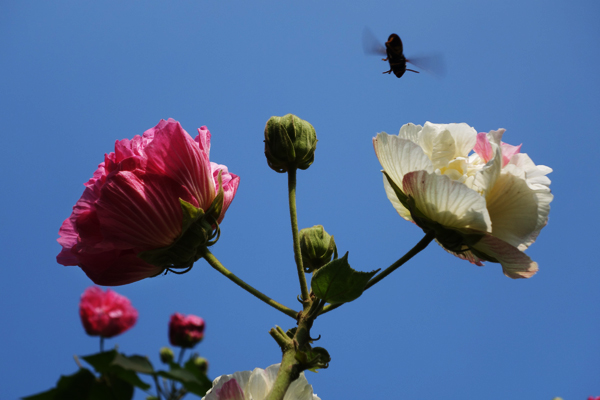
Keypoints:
pixel 213 262
pixel 291 367
pixel 295 235
pixel 423 243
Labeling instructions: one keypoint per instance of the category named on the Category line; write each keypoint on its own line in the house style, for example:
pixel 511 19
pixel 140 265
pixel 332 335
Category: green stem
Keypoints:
pixel 158 388
pixel 423 243
pixel 180 360
pixel 295 236
pixel 213 262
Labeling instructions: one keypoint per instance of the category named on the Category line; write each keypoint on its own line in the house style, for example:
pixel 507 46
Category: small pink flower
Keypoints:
pixel 106 314
pixel 132 205
pixel 594 398
pixel 185 331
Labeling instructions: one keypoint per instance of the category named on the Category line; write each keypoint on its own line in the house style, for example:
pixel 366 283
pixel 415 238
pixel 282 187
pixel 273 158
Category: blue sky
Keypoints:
pixel 76 76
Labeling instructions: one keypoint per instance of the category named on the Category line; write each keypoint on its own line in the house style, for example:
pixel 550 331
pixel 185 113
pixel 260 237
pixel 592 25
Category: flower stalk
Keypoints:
pixel 423 243
pixel 295 235
pixel 214 262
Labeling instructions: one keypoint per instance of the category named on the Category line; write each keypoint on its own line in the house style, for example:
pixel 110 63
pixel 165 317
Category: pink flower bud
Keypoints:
pixel 185 331
pixel 106 314
pixel 132 206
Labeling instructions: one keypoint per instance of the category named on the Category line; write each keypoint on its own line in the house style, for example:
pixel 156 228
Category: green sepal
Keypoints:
pixel 290 143
pixel 215 208
pixel 313 359
pixel 317 247
pixel 403 198
pixel 197 231
pixel 456 240
pixel 337 282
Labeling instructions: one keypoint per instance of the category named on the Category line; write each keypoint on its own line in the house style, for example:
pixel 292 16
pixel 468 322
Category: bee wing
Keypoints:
pixel 433 63
pixel 370 43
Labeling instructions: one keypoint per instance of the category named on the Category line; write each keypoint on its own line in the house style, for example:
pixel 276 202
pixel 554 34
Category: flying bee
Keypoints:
pixel 395 55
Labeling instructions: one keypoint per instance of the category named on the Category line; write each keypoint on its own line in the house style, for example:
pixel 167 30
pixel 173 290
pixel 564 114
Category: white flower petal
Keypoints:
pixel 496 136
pixel 465 138
pixel 534 174
pixel 515 263
pixel 400 156
pixel 299 390
pixel 438 144
pixel 517 212
pixel 447 202
pixel 486 177
pixel 410 132
pixel 259 385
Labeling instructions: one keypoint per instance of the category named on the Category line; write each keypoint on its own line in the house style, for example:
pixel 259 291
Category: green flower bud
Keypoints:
pixel 166 355
pixel 317 247
pixel 202 364
pixel 290 143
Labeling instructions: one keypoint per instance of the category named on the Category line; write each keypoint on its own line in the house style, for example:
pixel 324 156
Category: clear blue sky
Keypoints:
pixel 76 76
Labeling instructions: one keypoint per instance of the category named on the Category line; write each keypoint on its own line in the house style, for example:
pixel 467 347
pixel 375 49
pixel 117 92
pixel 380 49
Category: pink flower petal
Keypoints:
pixel 483 147
pixel 173 153
pixel 230 390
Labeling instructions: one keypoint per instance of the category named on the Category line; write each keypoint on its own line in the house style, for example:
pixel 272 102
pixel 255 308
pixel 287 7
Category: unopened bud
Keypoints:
pixel 166 355
pixel 290 143
pixel 202 364
pixel 317 247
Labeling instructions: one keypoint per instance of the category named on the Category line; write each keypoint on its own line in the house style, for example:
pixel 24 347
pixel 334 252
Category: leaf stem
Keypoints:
pixel 423 243
pixel 295 236
pixel 214 262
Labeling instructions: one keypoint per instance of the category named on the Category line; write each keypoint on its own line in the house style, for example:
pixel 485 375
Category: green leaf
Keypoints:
pixel 111 387
pixel 129 377
pixel 337 282
pixel 135 363
pixel 121 366
pixel 190 377
pixel 101 361
pixel 75 386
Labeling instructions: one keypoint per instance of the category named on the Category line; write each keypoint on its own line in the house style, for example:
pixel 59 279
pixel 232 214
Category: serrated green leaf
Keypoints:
pixel 337 282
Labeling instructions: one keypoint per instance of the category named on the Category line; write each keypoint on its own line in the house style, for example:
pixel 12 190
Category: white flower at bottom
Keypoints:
pixel 485 206
pixel 255 385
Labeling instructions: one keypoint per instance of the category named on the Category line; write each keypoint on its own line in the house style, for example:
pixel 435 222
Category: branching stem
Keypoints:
pixel 214 262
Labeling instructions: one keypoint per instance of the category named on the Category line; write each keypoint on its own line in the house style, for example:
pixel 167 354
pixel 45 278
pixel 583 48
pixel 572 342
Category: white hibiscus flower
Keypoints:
pixel 255 385
pixel 487 206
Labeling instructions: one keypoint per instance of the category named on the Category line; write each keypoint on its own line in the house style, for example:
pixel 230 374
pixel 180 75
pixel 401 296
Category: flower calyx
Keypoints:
pixel 290 143
pixel 199 229
pixel 313 359
pixel 317 248
pixel 455 240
